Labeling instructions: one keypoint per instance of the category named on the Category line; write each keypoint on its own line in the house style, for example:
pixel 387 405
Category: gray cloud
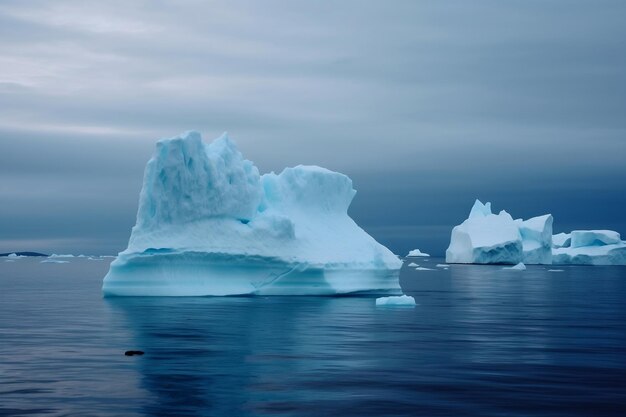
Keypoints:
pixel 426 104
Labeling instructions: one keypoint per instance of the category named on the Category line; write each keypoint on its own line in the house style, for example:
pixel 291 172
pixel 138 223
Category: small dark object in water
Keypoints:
pixel 133 352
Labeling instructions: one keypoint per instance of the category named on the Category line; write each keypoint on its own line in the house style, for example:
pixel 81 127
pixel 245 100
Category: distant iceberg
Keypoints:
pixel 589 247
pixel 396 301
pixel 209 224
pixel 487 238
pixel 416 253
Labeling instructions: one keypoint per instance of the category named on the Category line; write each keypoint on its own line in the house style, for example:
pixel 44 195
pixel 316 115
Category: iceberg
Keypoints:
pixel 590 247
pixel 417 253
pixel 487 238
pixel 396 301
pixel 519 267
pixel 209 224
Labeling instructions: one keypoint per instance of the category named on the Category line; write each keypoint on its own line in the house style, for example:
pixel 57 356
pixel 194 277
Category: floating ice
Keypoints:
pixel 54 255
pixel 413 264
pixel 417 253
pixel 421 268
pixel 591 247
pixel 555 270
pixel 54 261
pixel 442 266
pixel 519 267
pixel 209 224
pixel 396 301
pixel 487 238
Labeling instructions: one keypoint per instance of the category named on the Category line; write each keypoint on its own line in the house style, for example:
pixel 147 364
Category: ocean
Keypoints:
pixel 482 341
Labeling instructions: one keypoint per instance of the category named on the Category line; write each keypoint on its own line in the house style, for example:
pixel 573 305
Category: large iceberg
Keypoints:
pixel 487 238
pixel 589 247
pixel 209 224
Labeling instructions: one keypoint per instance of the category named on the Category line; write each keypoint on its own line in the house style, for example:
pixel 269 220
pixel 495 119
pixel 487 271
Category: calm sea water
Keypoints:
pixel 481 342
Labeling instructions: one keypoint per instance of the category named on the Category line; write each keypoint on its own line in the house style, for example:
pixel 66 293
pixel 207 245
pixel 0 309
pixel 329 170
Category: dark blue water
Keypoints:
pixel 481 342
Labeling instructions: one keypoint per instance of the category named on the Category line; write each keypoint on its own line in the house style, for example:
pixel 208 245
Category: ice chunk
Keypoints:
pixel 421 268
pixel 537 239
pixel 485 238
pixel 561 240
pixel 417 253
pixel 413 264
pixel 54 261
pixel 396 301
pixel 54 255
pixel 591 255
pixel 209 224
pixel 589 247
pixel 442 265
pixel 555 270
pixel 519 267
pixel 582 238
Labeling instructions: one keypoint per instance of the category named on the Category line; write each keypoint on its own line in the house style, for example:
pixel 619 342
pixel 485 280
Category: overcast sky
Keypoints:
pixel 426 105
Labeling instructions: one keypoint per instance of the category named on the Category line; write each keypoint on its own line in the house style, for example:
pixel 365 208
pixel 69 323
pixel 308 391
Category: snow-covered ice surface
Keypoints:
pixel 396 301
pixel 417 253
pixel 519 267
pixel 487 238
pixel 209 224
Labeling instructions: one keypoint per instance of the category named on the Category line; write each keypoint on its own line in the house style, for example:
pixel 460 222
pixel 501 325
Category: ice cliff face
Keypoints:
pixel 487 238
pixel 209 224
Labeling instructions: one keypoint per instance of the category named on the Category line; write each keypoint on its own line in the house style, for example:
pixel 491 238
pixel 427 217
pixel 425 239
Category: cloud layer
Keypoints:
pixel 426 104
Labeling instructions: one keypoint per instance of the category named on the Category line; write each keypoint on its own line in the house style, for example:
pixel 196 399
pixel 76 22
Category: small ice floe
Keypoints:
pixel 54 255
pixel 54 261
pixel 9 260
pixel 413 264
pixel 519 267
pixel 91 258
pixel 417 252
pixel 396 301
pixel 555 270
pixel 421 268
pixel 442 266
